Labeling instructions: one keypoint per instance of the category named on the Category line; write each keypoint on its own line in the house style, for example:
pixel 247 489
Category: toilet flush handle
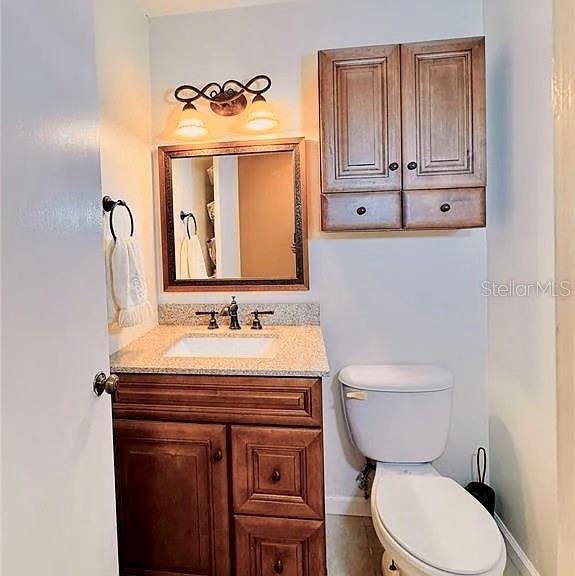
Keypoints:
pixel 356 395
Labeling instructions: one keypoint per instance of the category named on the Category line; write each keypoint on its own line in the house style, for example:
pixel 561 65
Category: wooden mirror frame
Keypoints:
pixel 168 153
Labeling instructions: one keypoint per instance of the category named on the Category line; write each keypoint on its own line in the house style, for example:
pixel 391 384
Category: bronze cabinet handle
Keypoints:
pixel 361 210
pixel 393 166
pixel 218 455
pixel 278 566
pixel 445 207
pixel 276 476
pixel 412 166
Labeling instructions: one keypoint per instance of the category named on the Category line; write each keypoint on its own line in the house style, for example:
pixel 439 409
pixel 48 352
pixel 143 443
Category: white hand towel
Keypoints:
pixel 196 262
pixel 192 265
pixel 129 284
pixel 111 303
pixel 183 271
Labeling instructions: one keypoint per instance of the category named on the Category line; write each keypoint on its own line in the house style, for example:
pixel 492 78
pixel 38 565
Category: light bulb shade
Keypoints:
pixel 191 124
pixel 260 116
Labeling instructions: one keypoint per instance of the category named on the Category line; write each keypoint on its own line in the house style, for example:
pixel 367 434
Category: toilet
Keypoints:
pixel 399 417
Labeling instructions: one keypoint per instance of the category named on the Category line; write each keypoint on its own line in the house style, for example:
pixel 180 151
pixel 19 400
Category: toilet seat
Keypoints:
pixel 434 523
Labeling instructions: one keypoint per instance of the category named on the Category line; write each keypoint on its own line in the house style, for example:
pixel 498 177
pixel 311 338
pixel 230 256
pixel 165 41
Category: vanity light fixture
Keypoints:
pixel 227 99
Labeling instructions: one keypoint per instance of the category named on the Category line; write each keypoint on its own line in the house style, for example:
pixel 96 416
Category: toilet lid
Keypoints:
pixel 438 522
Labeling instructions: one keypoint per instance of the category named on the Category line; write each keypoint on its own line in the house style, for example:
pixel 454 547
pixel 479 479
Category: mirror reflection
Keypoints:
pixel 234 216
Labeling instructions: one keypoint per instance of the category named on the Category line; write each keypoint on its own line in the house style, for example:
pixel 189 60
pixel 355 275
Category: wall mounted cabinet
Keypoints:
pixel 403 136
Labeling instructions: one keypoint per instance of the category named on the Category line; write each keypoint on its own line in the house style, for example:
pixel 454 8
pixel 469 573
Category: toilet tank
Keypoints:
pixel 398 413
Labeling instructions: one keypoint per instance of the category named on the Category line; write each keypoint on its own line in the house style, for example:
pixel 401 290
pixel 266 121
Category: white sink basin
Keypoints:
pixel 223 347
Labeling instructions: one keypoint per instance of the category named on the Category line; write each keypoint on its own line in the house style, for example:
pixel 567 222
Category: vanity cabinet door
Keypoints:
pixel 360 111
pixel 272 546
pixel 443 107
pixel 172 498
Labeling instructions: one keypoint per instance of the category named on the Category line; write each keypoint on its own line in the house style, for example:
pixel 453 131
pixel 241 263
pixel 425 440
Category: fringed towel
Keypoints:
pixel 127 293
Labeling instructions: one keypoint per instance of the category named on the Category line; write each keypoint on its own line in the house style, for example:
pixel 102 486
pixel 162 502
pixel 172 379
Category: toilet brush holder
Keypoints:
pixel 480 490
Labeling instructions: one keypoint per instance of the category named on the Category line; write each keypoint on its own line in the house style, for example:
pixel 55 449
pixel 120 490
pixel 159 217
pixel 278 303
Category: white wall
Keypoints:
pixel 520 247
pixel 384 297
pixel 122 45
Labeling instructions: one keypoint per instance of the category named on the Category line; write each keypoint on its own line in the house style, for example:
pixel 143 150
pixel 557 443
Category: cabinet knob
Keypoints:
pixel 276 476
pixel 393 166
pixel 412 166
pixel 361 210
pixel 278 566
pixel 218 455
pixel 445 207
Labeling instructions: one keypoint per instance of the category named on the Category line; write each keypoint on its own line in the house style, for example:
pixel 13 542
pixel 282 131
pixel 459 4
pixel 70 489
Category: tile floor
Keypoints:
pixel 354 550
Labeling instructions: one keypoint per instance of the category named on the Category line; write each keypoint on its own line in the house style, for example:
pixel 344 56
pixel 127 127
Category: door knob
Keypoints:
pixel 278 566
pixel 103 383
pixel 276 476
pixel 412 166
pixel 393 166
pixel 218 455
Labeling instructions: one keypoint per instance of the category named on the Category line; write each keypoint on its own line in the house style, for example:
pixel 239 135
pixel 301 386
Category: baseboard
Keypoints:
pixel 515 553
pixel 347 506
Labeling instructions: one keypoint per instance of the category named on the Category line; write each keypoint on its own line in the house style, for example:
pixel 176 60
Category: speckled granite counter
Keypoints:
pixel 300 351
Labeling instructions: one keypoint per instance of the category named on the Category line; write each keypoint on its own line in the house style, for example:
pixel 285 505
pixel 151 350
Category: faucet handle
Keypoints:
pixel 256 324
pixel 213 325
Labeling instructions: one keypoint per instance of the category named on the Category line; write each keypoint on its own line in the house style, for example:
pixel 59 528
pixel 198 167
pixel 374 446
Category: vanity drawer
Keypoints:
pixel 270 546
pixel 361 211
pixel 224 399
pixel 450 208
pixel 277 472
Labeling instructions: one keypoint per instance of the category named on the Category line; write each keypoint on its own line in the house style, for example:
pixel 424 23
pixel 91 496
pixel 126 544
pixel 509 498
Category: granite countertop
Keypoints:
pixel 300 351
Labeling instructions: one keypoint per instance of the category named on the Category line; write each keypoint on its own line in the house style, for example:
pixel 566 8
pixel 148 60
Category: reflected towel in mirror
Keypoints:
pixel 191 259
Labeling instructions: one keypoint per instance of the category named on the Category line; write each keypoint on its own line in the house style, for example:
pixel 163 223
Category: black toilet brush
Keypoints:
pixel 480 490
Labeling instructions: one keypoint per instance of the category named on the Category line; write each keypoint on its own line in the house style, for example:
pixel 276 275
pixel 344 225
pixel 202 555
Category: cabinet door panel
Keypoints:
pixel 360 112
pixel 443 103
pixel 271 546
pixel 172 498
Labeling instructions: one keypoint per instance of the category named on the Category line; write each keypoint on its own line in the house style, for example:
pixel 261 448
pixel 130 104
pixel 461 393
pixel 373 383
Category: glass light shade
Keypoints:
pixel 261 117
pixel 191 124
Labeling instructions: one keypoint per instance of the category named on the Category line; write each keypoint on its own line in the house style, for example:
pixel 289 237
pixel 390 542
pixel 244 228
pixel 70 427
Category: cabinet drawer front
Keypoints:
pixel 278 472
pixel 226 399
pixel 452 208
pixel 361 211
pixel 271 546
pixel 360 118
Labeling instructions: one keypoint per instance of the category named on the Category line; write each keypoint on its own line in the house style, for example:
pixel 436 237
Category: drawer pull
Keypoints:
pixel 218 455
pixel 412 166
pixel 278 566
pixel 393 166
pixel 276 476
pixel 361 210
pixel 445 207
pixel 359 395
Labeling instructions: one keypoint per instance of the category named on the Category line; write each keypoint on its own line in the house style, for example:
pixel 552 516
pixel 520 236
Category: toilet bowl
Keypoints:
pixel 428 524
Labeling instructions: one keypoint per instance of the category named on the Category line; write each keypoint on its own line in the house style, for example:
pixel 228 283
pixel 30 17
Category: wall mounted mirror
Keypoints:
pixel 234 216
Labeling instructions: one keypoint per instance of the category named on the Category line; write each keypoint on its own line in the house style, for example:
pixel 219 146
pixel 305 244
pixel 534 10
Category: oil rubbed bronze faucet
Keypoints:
pixel 231 310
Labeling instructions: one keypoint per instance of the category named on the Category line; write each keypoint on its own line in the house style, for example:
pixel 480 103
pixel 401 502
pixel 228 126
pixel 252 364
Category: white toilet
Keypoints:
pixel 429 525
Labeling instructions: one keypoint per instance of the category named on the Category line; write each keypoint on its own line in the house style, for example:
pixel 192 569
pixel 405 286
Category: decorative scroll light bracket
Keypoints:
pixel 227 99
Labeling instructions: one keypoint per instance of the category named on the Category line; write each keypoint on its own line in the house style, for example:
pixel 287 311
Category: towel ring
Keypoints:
pixel 109 206
pixel 186 218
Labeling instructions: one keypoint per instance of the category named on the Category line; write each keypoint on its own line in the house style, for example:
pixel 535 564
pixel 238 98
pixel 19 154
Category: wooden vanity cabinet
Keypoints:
pixel 219 475
pixel 403 136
